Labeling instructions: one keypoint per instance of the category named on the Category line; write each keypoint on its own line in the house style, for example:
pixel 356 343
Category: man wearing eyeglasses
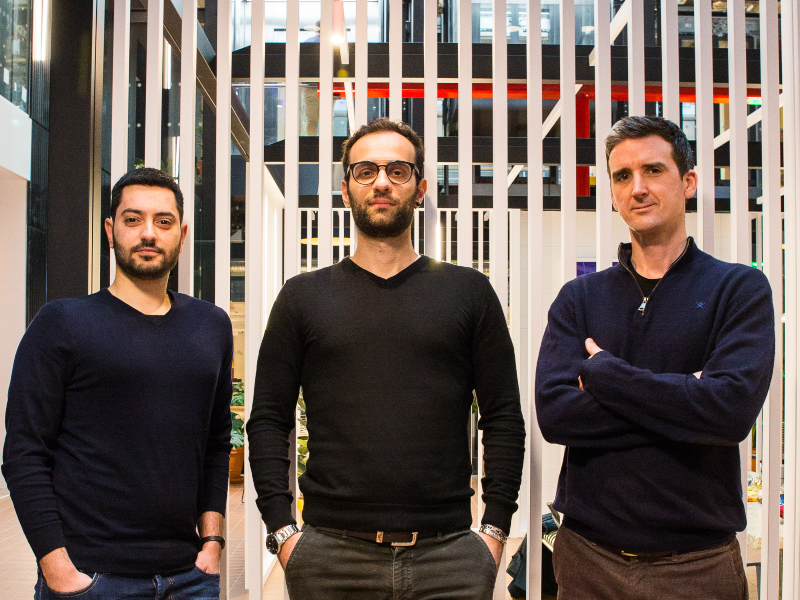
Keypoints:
pixel 388 347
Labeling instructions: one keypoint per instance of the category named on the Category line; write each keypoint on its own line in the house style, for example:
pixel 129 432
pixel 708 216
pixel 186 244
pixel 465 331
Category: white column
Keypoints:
pixel 670 75
pixel 740 219
pixel 704 102
pixel 362 50
pixel 790 27
pixel 635 57
pixel 430 103
pixel 395 60
pixel 602 124
pixel 535 301
pixel 568 133
pixel 770 150
pixel 255 267
pixel 291 185
pixel 188 116
pixel 499 221
pixel 120 90
pixel 153 81
pixel 464 133
pixel 325 225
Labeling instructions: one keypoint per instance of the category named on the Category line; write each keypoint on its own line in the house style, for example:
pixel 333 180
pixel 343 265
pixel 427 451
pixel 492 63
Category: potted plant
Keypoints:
pixel 237 433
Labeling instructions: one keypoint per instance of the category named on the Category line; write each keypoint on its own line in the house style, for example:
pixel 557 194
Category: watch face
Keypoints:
pixel 272 544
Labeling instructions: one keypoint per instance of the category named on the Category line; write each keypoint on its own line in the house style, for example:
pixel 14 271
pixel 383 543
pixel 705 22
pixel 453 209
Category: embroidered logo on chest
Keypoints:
pixel 701 304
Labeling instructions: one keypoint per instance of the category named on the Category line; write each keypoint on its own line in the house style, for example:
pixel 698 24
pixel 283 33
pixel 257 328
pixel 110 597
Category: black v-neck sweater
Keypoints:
pixel 118 431
pixel 387 368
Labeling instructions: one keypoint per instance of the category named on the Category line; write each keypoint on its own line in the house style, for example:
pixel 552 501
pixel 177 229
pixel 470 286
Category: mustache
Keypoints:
pixel 149 246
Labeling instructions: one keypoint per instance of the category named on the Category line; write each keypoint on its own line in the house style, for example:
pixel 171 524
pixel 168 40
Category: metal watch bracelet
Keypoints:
pixel 494 532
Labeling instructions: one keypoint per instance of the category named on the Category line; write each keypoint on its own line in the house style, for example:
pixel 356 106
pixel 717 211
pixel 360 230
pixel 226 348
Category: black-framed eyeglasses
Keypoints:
pixel 366 172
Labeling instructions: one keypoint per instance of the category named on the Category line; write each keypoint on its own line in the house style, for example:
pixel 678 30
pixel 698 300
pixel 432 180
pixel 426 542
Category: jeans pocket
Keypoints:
pixel 300 542
pixel 486 550
pixel 76 593
pixel 209 575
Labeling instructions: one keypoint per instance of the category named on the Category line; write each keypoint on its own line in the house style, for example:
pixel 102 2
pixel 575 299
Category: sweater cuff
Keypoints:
pixel 499 515
pixel 590 366
pixel 277 513
pixel 46 539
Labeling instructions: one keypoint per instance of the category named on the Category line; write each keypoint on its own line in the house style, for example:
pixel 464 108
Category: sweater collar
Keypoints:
pixel 625 251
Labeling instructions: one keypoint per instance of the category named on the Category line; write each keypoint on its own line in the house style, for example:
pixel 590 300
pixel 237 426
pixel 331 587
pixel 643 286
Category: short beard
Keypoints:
pixel 147 271
pixel 403 217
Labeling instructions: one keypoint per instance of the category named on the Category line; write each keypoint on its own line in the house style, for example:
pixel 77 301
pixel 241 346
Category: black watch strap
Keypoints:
pixel 213 538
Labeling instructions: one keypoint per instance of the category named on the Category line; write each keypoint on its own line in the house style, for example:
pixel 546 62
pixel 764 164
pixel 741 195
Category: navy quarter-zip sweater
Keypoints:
pixel 118 431
pixel 652 462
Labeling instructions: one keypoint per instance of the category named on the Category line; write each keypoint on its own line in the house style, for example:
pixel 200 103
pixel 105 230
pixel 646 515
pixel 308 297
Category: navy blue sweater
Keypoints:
pixel 652 462
pixel 118 431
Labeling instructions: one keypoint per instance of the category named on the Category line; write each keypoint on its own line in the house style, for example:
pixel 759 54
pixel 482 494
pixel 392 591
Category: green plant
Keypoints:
pixel 238 394
pixel 302 436
pixel 237 430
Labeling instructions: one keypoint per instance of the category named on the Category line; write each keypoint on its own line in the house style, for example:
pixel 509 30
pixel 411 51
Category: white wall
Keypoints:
pixel 13 227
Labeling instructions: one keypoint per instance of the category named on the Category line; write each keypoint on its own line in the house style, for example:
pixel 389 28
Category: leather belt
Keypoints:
pixel 392 538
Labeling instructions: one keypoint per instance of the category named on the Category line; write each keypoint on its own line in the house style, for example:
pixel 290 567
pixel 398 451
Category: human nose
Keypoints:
pixel 382 181
pixel 149 230
pixel 639 187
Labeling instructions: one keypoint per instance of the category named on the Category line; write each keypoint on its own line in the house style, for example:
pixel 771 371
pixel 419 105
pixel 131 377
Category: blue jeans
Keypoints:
pixel 193 584
pixel 454 566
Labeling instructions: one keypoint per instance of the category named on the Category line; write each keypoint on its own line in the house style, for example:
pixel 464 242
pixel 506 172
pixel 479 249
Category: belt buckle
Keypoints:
pixel 411 543
pixel 379 539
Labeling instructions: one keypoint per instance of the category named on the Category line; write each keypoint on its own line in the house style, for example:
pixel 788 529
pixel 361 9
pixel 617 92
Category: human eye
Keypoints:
pixel 398 170
pixel 130 220
pixel 364 171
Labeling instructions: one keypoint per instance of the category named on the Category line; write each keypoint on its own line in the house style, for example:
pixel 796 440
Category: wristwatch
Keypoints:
pixel 494 532
pixel 276 539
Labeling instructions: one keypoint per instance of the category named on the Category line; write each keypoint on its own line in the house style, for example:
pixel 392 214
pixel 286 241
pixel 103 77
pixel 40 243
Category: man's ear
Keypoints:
pixel 108 224
pixel 184 231
pixel 345 194
pixel 690 183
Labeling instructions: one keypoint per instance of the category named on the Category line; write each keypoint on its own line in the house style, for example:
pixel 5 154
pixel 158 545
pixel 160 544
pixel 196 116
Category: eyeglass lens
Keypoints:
pixel 366 172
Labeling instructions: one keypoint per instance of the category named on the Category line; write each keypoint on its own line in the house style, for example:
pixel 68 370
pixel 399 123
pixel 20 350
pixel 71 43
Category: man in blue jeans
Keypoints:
pixel 118 425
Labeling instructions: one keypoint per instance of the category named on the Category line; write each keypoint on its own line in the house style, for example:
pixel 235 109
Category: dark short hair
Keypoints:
pixel 643 126
pixel 146 176
pixel 378 126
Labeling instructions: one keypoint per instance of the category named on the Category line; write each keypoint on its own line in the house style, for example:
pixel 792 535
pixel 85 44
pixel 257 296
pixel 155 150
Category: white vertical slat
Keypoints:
pixel 222 190
pixel 291 185
pixel 770 150
pixel 602 124
pixel 568 152
pixel 740 220
pixel 395 60
pixel 430 58
pixel 670 75
pixel 704 103
pixel 255 269
pixel 790 24
pixel 324 225
pixel 188 116
pixel 362 49
pixel 153 74
pixel 448 224
pixel 480 241
pixel 535 301
pixel 120 91
pixel 499 250
pixel 465 133
pixel 635 58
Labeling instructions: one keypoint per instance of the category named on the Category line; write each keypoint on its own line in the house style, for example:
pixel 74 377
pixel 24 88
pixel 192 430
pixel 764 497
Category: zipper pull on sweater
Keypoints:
pixel 642 307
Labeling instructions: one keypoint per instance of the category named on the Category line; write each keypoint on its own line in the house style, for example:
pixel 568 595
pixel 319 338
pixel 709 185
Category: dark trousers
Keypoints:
pixel 455 566
pixel 193 584
pixel 586 571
